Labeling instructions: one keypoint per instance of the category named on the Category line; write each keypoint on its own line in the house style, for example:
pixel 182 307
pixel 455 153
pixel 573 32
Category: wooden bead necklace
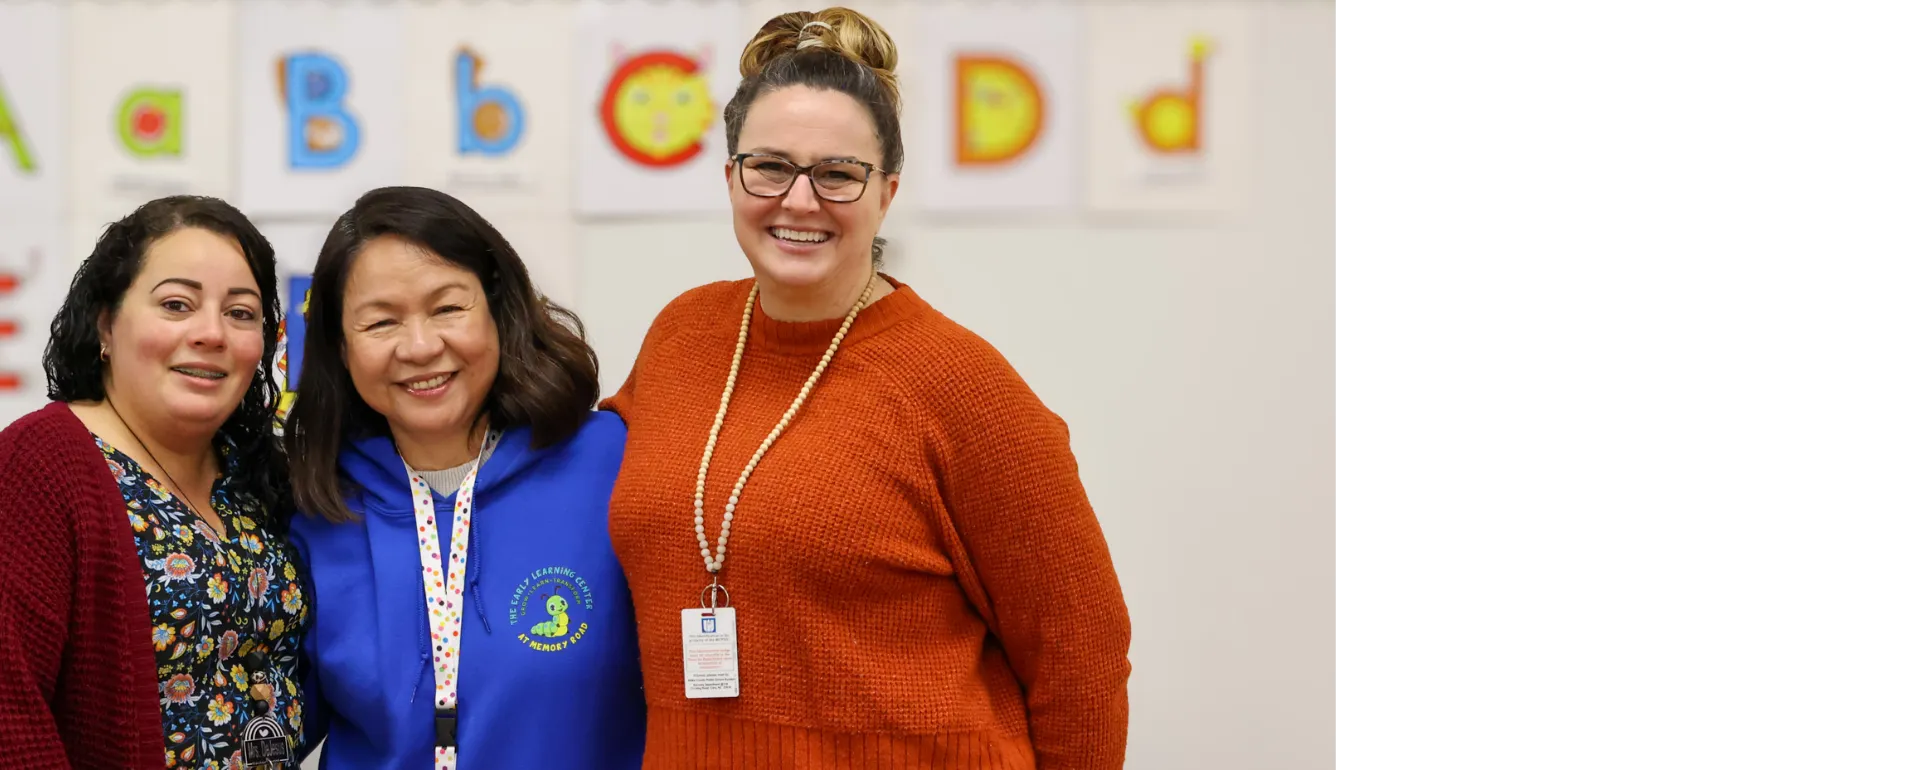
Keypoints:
pixel 717 557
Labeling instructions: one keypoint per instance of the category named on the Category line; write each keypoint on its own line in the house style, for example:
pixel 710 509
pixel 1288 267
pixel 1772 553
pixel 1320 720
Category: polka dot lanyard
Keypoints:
pixel 446 603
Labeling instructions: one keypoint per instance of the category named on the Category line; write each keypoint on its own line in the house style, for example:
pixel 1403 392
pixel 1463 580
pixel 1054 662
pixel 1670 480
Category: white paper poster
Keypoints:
pixel 1169 107
pixel 652 79
pixel 490 107
pixel 1001 99
pixel 33 111
pixel 33 280
pixel 322 90
pixel 151 102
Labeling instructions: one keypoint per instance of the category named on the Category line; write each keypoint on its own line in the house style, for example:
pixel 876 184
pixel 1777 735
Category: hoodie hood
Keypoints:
pixel 375 464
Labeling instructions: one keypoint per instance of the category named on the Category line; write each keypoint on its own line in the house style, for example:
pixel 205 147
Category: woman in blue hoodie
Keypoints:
pixel 467 604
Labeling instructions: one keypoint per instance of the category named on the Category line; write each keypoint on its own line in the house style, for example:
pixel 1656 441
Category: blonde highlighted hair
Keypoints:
pixel 841 30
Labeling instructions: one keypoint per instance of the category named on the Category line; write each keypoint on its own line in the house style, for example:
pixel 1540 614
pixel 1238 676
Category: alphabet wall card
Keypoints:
pixel 1003 121
pixel 151 101
pixel 322 95
pixel 290 352
pixel 33 111
pixel 1170 108
pixel 33 280
pixel 489 104
pixel 651 81
pixel 296 248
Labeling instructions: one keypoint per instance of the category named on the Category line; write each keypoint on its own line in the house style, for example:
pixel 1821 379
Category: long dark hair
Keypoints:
pixel 548 379
pixel 850 53
pixel 75 371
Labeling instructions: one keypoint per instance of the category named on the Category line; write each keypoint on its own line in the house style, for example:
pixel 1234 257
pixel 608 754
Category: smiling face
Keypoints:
pixel 798 243
pixel 183 345
pixel 421 345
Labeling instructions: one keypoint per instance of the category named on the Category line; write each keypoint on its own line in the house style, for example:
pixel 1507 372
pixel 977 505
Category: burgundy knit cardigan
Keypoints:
pixel 77 681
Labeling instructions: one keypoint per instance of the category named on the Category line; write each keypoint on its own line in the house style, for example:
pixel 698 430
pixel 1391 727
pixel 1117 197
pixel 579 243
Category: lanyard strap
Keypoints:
pixel 446 604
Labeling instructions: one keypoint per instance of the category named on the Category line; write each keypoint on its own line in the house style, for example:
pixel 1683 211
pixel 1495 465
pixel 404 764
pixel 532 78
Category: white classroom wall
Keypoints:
pixel 1192 357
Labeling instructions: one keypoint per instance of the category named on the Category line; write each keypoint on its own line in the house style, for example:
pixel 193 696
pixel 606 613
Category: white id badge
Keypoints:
pixel 711 651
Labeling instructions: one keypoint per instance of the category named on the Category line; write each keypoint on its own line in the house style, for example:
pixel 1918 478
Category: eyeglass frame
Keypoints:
pixel 805 171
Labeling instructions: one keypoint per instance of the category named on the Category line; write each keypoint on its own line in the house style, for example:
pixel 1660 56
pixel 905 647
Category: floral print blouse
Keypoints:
pixel 220 608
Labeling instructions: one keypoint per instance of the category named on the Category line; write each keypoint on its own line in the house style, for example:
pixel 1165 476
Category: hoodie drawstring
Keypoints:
pixel 473 574
pixel 426 655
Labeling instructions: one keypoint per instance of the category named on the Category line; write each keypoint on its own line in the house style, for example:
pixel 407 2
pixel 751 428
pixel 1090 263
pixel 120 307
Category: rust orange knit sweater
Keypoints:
pixel 919 579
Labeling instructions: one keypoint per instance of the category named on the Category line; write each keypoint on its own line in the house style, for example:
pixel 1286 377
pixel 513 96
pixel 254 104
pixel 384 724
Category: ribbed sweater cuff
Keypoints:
pixel 681 739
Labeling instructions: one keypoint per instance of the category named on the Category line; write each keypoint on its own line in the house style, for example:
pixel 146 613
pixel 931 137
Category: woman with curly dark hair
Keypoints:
pixel 151 607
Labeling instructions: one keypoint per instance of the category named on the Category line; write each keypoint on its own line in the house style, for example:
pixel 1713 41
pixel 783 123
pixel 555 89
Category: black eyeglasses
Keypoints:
pixel 771 176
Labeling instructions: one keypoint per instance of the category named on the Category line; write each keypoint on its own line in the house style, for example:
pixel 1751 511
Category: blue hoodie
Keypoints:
pixel 535 689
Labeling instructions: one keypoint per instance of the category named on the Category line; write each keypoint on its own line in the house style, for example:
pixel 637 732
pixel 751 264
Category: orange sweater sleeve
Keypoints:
pixel 1012 489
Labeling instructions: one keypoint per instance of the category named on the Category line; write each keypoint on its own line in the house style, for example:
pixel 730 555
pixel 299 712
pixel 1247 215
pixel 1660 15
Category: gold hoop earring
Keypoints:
pixel 103 351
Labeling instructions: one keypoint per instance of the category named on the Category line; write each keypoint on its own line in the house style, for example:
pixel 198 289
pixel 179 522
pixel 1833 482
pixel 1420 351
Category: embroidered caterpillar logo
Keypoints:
pixel 557 608
pixel 566 601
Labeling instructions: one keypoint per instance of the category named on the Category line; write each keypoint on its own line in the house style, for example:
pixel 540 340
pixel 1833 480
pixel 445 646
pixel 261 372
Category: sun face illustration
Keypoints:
pixel 999 108
pixel 656 108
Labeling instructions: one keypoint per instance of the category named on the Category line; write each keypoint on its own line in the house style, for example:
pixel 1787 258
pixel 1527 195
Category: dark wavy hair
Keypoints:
pixel 75 371
pixel 548 379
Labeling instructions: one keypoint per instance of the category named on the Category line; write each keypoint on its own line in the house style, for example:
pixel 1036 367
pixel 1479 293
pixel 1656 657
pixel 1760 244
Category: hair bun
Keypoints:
pixel 844 31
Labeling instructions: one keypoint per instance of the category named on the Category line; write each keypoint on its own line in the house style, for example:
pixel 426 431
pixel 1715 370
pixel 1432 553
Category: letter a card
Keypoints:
pixel 151 96
pixel 998 93
pixel 322 90
pixel 33 112
pixel 488 116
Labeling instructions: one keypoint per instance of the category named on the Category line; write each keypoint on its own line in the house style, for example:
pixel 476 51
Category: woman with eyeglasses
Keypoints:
pixel 854 536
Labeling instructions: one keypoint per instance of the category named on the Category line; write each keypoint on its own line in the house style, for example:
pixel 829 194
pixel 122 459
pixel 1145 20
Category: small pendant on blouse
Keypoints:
pixel 263 744
pixel 259 689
